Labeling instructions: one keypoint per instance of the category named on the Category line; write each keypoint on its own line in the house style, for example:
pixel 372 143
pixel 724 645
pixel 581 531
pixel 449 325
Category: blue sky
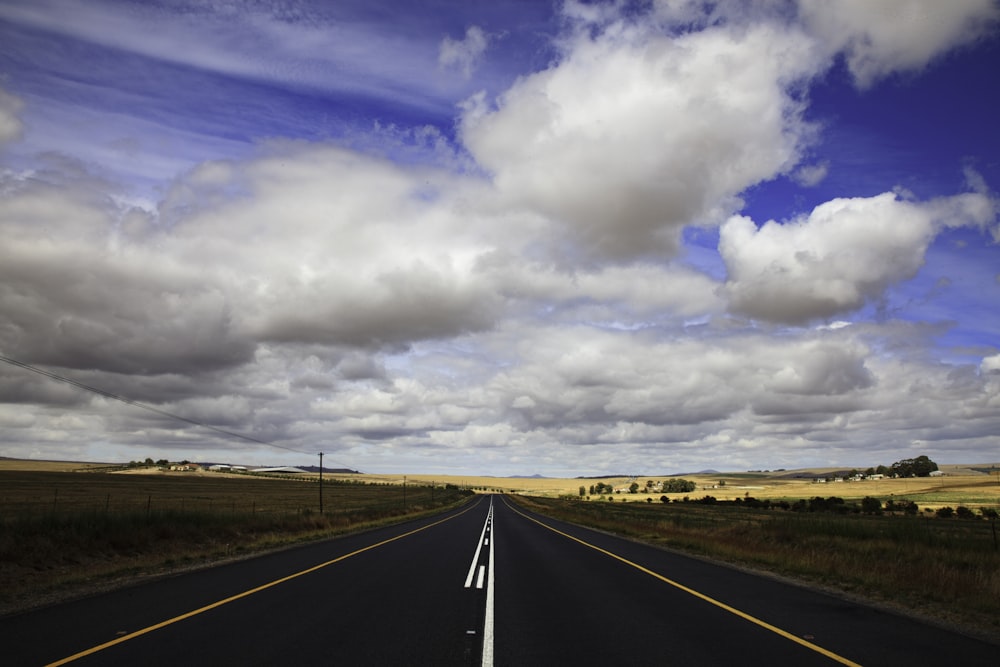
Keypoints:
pixel 502 238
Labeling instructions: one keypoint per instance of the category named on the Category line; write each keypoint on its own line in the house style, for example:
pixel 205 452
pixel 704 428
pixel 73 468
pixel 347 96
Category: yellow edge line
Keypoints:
pixel 175 619
pixel 732 610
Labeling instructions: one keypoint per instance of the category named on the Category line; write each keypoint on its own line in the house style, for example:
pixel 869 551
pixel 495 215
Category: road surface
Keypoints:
pixel 488 584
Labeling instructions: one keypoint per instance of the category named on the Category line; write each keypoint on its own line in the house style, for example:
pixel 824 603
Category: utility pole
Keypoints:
pixel 404 492
pixel 321 482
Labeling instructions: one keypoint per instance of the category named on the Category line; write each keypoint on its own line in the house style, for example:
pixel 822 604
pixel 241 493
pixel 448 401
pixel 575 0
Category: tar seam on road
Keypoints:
pixel 721 605
pixel 175 619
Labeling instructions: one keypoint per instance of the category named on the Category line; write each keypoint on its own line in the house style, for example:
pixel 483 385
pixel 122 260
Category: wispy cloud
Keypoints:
pixel 464 54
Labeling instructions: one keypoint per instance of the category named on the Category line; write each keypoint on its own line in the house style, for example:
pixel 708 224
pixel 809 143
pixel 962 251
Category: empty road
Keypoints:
pixel 487 584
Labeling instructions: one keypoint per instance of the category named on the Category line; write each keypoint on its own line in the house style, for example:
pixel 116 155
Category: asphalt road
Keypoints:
pixel 487 584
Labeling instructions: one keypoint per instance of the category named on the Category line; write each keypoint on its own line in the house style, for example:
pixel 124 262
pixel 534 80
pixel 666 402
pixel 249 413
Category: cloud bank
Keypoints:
pixel 534 296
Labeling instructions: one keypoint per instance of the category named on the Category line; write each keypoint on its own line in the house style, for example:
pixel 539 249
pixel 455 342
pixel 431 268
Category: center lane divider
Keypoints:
pixel 483 539
pixel 485 577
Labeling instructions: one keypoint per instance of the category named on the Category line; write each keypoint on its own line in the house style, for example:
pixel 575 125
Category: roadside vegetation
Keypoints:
pixel 935 563
pixel 65 532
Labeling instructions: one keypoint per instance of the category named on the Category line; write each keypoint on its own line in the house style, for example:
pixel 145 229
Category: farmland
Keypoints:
pixel 72 527
pixel 69 532
pixel 975 485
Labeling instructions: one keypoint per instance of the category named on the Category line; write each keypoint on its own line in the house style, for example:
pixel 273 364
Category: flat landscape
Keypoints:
pixel 71 527
pixel 975 485
pixel 966 484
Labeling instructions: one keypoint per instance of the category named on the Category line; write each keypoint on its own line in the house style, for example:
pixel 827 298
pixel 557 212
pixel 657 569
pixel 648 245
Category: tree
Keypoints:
pixel 678 486
pixel 918 467
pixel 633 487
pixel 583 491
pixel 871 505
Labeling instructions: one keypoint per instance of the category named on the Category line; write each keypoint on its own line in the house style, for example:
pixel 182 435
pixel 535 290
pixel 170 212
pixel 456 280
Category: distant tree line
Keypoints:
pixel 918 467
pixel 675 485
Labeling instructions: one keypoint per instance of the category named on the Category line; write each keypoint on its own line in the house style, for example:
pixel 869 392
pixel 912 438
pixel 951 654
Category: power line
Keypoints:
pixel 129 401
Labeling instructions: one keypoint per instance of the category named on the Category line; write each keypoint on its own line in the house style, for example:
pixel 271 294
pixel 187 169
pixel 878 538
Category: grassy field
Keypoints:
pixel 62 533
pixel 947 569
pixel 961 484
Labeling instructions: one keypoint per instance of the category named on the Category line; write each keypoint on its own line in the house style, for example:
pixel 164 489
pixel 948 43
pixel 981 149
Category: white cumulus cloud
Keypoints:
pixel 632 136
pixel 844 253
pixel 881 37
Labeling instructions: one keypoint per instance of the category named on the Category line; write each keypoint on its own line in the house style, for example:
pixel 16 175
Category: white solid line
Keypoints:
pixel 479 546
pixel 482 573
pixel 488 622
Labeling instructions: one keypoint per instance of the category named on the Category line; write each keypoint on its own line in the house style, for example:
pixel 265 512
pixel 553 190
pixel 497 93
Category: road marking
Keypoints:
pixel 487 660
pixel 479 546
pixel 238 596
pixel 721 605
pixel 482 573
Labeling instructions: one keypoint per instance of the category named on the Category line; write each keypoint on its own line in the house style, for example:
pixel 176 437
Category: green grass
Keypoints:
pixel 947 568
pixel 61 532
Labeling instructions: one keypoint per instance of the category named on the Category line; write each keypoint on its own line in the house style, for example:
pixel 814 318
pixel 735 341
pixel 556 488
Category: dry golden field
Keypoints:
pixel 960 484
pixel 47 466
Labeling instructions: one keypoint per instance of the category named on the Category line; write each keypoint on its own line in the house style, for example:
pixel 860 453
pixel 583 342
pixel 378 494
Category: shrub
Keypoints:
pixel 871 505
pixel 964 512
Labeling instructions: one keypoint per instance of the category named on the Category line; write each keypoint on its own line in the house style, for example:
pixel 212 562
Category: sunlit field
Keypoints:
pixel 960 485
